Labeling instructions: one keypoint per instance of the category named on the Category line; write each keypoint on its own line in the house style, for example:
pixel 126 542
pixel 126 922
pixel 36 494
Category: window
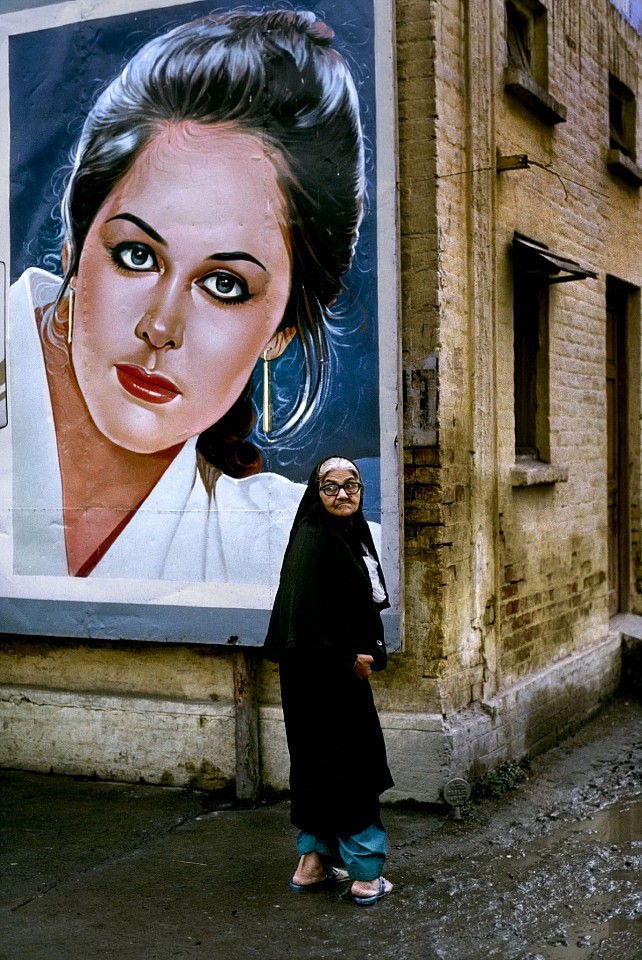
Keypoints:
pixel 527 59
pixel 620 158
pixel 530 321
pixel 621 118
pixel 535 270
pixel 526 39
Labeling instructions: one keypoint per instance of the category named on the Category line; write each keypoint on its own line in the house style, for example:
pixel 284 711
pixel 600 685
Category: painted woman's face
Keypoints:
pixel 182 282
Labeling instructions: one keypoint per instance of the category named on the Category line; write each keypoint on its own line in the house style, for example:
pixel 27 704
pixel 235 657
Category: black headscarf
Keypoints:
pixel 324 602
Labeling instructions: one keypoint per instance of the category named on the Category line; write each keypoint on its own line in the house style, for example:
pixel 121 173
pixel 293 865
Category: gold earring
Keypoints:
pixel 267 394
pixel 71 299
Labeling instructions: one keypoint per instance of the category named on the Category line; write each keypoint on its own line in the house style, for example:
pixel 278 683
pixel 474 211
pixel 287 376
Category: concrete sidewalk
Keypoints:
pixel 110 870
pixel 103 870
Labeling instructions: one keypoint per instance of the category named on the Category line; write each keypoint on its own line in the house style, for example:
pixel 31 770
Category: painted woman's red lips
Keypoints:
pixel 144 385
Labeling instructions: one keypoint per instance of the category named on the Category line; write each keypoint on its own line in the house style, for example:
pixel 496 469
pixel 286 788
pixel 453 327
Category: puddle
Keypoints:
pixel 607 915
pixel 620 824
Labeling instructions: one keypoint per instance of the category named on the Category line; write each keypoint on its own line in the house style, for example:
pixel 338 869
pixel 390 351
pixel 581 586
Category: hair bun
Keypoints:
pixel 305 22
pixel 319 30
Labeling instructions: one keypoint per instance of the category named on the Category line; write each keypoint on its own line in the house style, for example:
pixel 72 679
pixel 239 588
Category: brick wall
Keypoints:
pixel 503 581
pixel 554 562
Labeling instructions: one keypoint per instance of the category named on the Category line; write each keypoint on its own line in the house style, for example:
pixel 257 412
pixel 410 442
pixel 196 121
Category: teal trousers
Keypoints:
pixel 363 854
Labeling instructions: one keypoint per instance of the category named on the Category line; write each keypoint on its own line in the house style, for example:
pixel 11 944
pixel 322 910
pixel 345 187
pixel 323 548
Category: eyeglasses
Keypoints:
pixel 351 487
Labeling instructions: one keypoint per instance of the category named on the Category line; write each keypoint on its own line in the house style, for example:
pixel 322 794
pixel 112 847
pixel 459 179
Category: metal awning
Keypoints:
pixel 537 259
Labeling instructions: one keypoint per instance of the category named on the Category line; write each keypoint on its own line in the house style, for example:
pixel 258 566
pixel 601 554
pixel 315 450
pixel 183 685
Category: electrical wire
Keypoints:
pixel 531 163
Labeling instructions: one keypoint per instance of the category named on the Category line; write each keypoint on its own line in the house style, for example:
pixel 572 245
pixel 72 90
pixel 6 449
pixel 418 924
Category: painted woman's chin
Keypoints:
pixel 136 439
pixel 145 427
pixel 147 449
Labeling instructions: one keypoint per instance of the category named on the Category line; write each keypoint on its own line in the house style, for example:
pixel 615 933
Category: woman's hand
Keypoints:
pixel 362 665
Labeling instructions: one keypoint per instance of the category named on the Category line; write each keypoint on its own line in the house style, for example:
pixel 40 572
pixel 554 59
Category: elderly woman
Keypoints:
pixel 211 212
pixel 326 634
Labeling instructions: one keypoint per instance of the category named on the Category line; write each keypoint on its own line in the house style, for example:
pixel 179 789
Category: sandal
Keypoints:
pixel 382 892
pixel 332 875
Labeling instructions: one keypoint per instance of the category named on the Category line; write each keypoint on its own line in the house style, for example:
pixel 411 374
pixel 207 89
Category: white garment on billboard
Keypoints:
pixel 180 532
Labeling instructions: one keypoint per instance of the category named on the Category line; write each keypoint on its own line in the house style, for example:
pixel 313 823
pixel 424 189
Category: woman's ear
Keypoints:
pixel 278 343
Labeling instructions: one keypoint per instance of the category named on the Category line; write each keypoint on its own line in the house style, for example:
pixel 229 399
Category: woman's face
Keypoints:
pixel 341 504
pixel 182 282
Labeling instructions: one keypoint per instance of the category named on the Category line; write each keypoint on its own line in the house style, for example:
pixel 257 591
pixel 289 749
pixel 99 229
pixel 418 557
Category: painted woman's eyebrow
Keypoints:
pixel 145 227
pixel 237 255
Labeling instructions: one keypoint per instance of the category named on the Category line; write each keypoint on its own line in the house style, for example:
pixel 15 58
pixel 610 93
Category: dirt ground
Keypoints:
pixel 552 870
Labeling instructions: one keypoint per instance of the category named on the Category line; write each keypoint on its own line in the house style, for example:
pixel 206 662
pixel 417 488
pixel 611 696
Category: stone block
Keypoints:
pixel 118 737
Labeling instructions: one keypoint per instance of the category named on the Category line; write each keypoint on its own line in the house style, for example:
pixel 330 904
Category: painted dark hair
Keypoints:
pixel 274 75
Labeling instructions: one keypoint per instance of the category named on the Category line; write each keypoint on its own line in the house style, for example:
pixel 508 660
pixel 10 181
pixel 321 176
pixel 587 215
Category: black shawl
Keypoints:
pixel 323 616
pixel 324 602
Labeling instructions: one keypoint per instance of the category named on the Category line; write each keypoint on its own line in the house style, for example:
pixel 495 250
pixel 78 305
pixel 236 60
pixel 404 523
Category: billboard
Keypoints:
pixel 199 269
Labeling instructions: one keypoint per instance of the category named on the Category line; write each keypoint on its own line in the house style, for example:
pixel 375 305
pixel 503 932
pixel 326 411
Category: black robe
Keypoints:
pixel 323 616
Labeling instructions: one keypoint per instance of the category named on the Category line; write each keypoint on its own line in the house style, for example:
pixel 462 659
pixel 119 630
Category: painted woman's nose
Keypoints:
pixel 160 330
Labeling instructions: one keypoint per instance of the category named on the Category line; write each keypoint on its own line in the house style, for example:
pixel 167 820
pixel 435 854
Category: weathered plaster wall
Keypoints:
pixel 166 714
pixel 554 563
pixel 508 585
pixel 526 598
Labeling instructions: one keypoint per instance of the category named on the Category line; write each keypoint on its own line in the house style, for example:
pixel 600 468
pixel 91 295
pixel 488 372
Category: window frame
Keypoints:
pixel 532 31
pixel 535 269
pixel 526 74
pixel 531 376
pixel 622 96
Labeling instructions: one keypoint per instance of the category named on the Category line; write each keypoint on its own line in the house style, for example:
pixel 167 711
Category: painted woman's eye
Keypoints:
pixel 134 256
pixel 225 286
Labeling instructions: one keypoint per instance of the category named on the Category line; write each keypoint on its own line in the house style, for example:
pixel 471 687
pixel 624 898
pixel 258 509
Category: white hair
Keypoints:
pixel 336 463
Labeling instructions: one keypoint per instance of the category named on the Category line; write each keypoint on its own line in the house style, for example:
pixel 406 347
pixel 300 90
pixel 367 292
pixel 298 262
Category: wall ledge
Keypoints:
pixel 522 86
pixel 621 165
pixel 530 473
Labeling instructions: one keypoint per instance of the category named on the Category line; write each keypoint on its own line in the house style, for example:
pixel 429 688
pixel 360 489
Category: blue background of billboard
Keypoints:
pixel 55 76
